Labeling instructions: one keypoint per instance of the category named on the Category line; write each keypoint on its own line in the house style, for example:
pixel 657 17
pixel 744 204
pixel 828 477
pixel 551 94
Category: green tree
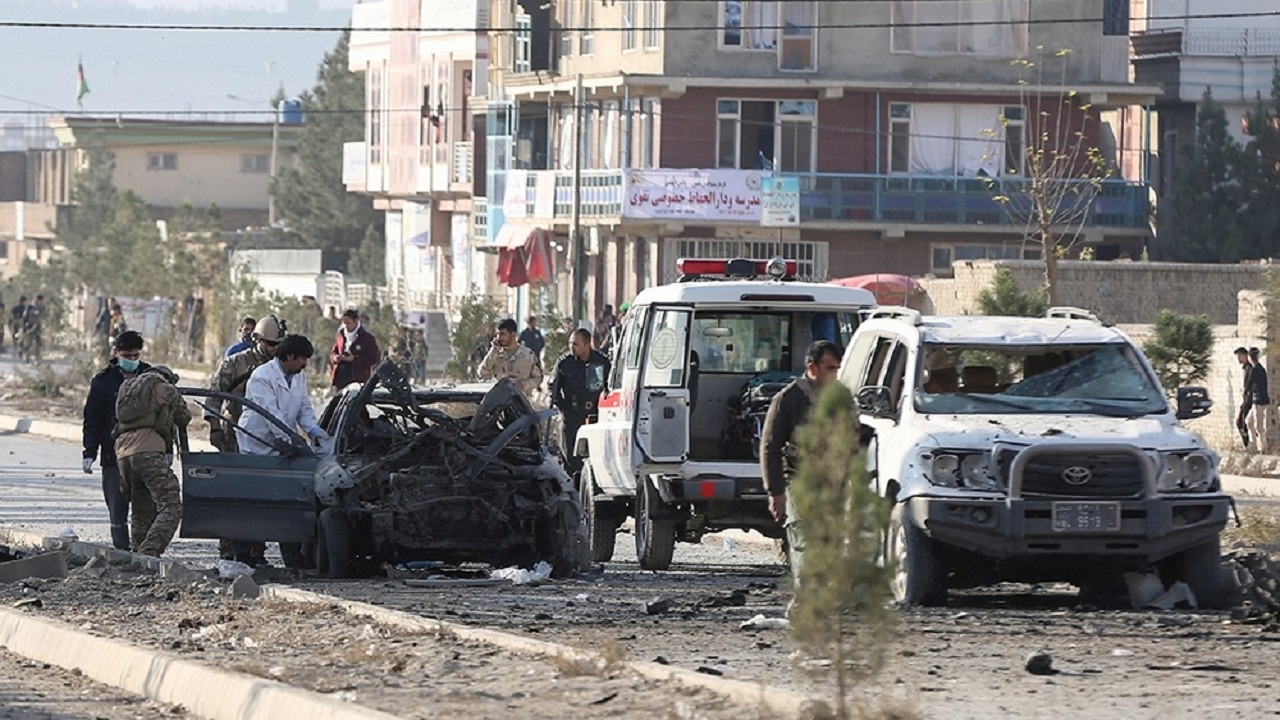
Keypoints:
pixel 477 314
pixel 312 198
pixel 1180 349
pixel 1206 223
pixel 1006 297
pixel 841 610
pixel 1259 207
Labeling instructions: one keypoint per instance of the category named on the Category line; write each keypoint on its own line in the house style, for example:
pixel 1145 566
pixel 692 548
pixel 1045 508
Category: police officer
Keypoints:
pixel 507 358
pixel 575 389
pixel 233 375
pixel 149 413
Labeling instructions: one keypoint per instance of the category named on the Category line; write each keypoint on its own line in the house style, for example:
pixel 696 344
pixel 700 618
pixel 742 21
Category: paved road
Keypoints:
pixel 34 691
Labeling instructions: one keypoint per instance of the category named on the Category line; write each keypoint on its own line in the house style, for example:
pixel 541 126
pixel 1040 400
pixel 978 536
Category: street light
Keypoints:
pixel 271 163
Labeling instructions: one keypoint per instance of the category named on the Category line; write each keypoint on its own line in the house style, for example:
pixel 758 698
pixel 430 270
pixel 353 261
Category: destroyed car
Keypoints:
pixel 444 473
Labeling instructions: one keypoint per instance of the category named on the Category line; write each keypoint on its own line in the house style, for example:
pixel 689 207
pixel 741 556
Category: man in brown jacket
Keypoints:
pixel 149 411
pixel 787 412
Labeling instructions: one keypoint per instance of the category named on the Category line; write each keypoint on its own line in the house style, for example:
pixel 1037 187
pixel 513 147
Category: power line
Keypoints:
pixel 682 28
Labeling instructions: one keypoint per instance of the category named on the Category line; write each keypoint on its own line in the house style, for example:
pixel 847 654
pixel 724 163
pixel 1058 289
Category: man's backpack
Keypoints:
pixel 135 404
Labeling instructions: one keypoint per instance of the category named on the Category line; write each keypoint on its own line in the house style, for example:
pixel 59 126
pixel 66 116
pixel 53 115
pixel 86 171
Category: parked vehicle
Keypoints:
pixel 676 444
pixel 1032 449
pixel 447 473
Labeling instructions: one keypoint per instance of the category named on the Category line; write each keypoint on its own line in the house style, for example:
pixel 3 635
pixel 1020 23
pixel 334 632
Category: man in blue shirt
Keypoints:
pixel 246 336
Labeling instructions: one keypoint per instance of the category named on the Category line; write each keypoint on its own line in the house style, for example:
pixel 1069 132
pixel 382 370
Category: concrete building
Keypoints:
pixel 900 127
pixel 1232 52
pixel 422 145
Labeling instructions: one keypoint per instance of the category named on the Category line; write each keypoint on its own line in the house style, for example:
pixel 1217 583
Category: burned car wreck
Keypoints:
pixel 455 474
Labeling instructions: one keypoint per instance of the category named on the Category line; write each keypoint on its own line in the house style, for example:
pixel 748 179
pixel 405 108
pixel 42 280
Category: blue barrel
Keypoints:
pixel 290 112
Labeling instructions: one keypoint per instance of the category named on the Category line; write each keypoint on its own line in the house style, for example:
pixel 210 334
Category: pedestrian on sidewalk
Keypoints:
pixel 1246 394
pixel 1260 394
pixel 150 413
pixel 100 419
pixel 354 353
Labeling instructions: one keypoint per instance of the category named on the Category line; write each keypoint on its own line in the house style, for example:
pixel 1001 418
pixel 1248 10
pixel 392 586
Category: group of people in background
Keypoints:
pixel 25 322
pixel 1254 424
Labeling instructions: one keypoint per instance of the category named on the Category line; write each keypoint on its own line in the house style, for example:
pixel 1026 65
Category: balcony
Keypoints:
pixel 461 163
pixel 824 197
pixel 1207 42
pixel 480 221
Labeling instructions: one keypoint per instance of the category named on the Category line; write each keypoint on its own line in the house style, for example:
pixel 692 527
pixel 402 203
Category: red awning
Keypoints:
pixel 524 255
pixel 889 289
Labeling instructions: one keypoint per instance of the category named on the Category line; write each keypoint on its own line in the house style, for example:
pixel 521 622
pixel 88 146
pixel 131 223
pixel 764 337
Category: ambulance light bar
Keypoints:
pixel 740 267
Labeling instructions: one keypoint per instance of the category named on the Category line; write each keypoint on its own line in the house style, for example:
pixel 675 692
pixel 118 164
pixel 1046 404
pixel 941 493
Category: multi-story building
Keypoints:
pixel 904 122
pixel 421 143
pixel 1228 47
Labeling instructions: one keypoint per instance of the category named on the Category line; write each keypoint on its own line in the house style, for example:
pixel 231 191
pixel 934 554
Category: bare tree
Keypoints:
pixel 1062 168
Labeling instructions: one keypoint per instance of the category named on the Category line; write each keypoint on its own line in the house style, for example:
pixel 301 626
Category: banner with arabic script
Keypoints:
pixel 665 194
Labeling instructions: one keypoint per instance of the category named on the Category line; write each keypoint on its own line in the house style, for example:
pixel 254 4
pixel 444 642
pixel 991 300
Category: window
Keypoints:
pixel 1168 162
pixel 983 28
pixel 586 23
pixel 375 115
pixel 564 19
pixel 523 52
pixel 1115 18
pixel 799 28
pixel 629 24
pixel 428 120
pixel 741 343
pixel 749 24
pixel 668 343
pixel 943 139
pixel 766 134
pixel 653 24
pixel 944 256
pixel 255 163
pixel 162 161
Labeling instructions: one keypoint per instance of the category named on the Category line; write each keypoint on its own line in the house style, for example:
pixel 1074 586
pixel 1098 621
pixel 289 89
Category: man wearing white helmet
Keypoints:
pixel 149 414
pixel 232 377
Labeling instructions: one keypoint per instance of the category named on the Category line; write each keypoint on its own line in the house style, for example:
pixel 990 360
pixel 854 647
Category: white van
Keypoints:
pixel 677 439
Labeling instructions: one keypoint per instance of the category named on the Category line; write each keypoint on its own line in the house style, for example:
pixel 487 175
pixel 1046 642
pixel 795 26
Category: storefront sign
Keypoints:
pixel 693 195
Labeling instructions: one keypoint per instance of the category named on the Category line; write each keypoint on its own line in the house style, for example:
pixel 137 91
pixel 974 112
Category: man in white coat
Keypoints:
pixel 280 387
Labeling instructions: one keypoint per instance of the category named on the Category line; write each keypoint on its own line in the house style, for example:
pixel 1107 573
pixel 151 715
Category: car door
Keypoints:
pixel 248 497
pixel 661 426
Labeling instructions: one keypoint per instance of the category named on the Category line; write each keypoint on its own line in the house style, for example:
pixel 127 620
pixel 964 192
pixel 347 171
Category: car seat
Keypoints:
pixel 942 380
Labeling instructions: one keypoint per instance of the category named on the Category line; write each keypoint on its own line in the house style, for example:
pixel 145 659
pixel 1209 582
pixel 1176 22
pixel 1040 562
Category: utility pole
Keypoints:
pixel 271 168
pixel 577 249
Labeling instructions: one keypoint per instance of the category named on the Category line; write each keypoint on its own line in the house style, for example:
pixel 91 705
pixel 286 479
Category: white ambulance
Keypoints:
pixel 676 444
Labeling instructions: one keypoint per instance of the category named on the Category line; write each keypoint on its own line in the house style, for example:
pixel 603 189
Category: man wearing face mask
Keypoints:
pixel 100 418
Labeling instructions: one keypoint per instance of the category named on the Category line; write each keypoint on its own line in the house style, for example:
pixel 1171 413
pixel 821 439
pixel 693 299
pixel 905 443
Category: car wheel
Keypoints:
pixel 655 539
pixel 918 575
pixel 335 544
pixel 562 540
pixel 1202 570
pixel 601 531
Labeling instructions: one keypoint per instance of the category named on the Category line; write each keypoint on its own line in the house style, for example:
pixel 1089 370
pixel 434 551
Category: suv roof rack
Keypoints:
pixel 1066 312
pixel 896 313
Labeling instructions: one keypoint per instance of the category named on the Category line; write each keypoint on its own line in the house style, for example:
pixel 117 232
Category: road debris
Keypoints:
pixel 760 622
pixel 1040 663
pixel 521 576
pixel 48 565
pixel 658 606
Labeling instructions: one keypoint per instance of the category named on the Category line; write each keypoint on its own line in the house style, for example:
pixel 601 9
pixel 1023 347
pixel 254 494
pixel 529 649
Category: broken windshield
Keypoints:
pixel 1104 379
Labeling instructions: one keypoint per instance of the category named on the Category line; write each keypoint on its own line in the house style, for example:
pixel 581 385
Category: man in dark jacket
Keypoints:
pixel 354 353
pixel 575 389
pixel 100 419
pixel 787 412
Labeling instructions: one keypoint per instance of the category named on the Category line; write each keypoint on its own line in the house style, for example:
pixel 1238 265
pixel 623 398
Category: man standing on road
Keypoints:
pixel 575 389
pixel 100 419
pixel 507 358
pixel 149 414
pixel 280 388
pixel 787 412
pixel 245 342
pixel 531 337
pixel 354 353
pixel 1246 394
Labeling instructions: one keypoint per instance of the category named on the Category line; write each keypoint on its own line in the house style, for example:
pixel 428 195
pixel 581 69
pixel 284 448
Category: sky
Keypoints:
pixel 160 73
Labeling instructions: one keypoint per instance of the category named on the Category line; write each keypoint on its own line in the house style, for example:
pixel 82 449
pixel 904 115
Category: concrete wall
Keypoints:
pixel 206 174
pixel 1119 292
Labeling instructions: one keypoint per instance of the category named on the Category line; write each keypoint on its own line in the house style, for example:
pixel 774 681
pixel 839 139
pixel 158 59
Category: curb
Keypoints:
pixel 202 690
pixel 749 694
pixel 70 432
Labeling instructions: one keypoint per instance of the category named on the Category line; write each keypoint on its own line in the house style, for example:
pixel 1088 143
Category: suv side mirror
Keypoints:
pixel 1193 402
pixel 875 400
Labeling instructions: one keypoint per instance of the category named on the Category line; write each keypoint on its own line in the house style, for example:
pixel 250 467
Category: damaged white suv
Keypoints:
pixel 1032 449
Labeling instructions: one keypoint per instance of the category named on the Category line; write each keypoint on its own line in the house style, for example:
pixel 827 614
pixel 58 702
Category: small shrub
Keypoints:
pixel 1006 297
pixel 476 315
pixel 1180 349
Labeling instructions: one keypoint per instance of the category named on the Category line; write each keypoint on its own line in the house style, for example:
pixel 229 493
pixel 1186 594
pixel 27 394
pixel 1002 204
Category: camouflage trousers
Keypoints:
pixel 155 500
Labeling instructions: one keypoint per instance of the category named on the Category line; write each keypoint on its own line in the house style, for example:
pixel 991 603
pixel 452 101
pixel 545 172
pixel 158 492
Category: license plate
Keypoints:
pixel 1086 517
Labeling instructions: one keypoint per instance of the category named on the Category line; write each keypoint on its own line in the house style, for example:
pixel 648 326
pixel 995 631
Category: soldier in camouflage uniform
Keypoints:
pixel 233 376
pixel 149 413
pixel 509 359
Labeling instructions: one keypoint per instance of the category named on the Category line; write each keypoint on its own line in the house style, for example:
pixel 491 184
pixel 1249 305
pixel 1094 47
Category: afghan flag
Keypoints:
pixel 82 86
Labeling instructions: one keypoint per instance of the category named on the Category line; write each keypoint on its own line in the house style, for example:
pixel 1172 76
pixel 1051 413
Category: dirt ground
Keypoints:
pixel 35 691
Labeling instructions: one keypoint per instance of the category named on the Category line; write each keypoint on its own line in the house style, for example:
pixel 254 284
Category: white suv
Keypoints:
pixel 1032 449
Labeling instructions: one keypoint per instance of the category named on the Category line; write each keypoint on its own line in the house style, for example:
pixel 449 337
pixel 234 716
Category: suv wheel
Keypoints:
pixel 602 530
pixel 1201 569
pixel 919 577
pixel 333 546
pixel 655 539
